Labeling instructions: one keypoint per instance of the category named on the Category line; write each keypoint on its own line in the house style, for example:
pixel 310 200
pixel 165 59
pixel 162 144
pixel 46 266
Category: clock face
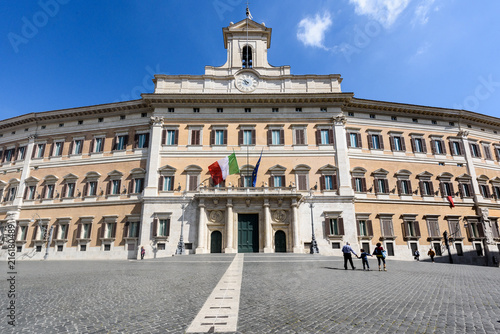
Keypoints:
pixel 246 82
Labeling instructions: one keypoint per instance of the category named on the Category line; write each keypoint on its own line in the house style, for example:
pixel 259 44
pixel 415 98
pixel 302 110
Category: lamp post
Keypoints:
pixel 314 245
pixel 447 244
pixel 181 249
pixel 43 231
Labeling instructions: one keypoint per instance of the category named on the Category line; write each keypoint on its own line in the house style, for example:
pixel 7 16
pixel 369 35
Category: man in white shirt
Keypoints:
pixel 347 250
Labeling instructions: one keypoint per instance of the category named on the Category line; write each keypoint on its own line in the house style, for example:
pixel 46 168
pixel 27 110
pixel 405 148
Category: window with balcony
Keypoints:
pixel 161 227
pixel 425 184
pixel 475 150
pixel 76 147
pixel 302 177
pixel 218 137
pixel 433 227
pixel 246 136
pixel 299 136
pixel 335 226
pixel 38 151
pixel 120 142
pixel 167 178
pixel 277 176
pixel 328 178
pixel 56 149
pixel 457 147
pixel 475 229
pixel 114 183
pixel 445 185
pixel 403 183
pixel 380 182
pixel 364 227
pixel 386 226
pixel 324 136
pixel 353 139
pixel 275 137
pixel 195 138
pixel 97 145
pixel 487 151
pixel 410 227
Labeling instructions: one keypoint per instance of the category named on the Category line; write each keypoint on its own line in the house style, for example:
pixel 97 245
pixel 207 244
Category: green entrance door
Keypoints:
pixel 248 233
pixel 280 242
pixel 216 242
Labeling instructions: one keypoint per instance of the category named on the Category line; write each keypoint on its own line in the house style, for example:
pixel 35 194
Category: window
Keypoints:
pixel 115 187
pixel 137 185
pixel 248 109
pixel 120 143
pixel 246 57
pixel 298 109
pixel 411 227
pixel 474 150
pixel 497 152
pixel 456 147
pixel 323 109
pixel 415 120
pixel 372 116
pixel 335 226
pixel 365 228
pixel 22 233
pixel 100 120
pixel 108 230
pixel 494 229
pixel 397 143
pixel 8 155
pixel 475 229
pixel 56 149
pixel 418 145
pixel 141 140
pixel 328 182
pixel 131 230
pixel 193 182
pixel 386 227
pixel 275 137
pixel 247 137
pixel 163 227
pixel 61 231
pixel 170 137
pixel 166 183
pixel 381 184
pixel 84 230
pixel 21 152
pixel 425 184
pixel 275 109
pixel 218 137
pixel 11 194
pixel 300 137
pixel 246 181
pixel 70 190
pixel 437 146
pixel 454 228
pixel 350 114
pixel 375 142
pixel 278 181
pixel 485 190
pixel 354 139
pixel 394 118
pixel 324 136
pixel 91 188
pixel 359 184
pixel 77 146
pixel 465 189
pixel 220 110
pixel 433 227
pixel 446 188
pixel 171 110
pixel 97 145
pixel 496 191
pixel 404 187
pixel 39 151
pixel 460 251
pixel 487 151
pixel 48 191
pixel 302 182
pixel 196 109
pixel 195 136
pixel 30 192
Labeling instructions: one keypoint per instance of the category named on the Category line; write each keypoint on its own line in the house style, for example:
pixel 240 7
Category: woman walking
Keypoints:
pixel 380 253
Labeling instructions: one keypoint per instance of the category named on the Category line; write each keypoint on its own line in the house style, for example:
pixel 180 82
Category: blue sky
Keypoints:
pixel 58 54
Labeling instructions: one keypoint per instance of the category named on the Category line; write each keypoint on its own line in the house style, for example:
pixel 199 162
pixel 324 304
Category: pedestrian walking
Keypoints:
pixel 416 255
pixel 431 253
pixel 347 250
pixel 380 253
pixel 143 252
pixel 364 259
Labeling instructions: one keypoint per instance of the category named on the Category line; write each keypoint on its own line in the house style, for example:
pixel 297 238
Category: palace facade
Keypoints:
pixel 99 182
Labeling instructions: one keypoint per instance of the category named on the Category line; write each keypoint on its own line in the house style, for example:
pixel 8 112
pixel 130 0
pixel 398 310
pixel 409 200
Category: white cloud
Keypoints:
pixel 384 11
pixel 422 12
pixel 423 49
pixel 311 31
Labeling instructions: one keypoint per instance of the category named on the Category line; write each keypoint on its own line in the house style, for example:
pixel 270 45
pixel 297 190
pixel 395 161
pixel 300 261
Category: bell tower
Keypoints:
pixel 246 42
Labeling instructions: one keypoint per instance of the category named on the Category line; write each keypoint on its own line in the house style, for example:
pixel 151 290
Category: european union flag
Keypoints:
pixel 255 170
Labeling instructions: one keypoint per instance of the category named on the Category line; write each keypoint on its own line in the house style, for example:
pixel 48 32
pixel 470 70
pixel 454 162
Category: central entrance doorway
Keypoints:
pixel 248 233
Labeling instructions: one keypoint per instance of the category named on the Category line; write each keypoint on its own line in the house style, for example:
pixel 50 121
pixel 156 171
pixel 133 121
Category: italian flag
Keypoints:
pixel 220 169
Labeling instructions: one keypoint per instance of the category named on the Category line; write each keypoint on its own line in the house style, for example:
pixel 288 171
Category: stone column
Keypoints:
pixel 229 227
pixel 470 165
pixel 297 246
pixel 268 248
pixel 154 158
pixel 201 248
pixel 342 157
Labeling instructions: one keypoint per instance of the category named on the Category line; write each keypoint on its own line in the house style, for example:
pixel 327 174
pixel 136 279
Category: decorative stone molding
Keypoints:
pixel 156 121
pixel 463 133
pixel 340 120
pixel 216 216
pixel 279 216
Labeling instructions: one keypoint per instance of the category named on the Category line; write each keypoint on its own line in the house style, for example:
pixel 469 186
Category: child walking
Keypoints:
pixel 364 258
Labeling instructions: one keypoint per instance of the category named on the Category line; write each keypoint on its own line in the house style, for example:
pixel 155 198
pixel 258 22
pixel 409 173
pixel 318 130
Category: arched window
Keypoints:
pixel 246 57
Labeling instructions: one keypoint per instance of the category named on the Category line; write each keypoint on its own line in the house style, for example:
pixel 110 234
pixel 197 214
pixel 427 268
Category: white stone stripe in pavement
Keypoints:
pixel 220 311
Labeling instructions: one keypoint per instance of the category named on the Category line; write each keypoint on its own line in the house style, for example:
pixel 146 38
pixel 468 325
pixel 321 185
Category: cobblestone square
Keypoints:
pixel 279 294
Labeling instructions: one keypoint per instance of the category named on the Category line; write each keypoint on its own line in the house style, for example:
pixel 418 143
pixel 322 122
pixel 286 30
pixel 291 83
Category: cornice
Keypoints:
pixel 159 100
pixel 364 105
pixel 109 108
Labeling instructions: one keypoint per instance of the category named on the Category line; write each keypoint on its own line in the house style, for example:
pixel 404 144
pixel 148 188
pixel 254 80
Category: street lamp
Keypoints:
pixel 181 248
pixel 314 245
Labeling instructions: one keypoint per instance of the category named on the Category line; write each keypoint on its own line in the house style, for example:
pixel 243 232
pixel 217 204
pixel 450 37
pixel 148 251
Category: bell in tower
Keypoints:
pixel 246 58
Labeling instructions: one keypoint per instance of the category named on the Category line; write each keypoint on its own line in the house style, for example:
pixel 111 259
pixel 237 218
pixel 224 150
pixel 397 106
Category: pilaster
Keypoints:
pixel 229 227
pixel 154 158
pixel 268 248
pixel 201 248
pixel 342 157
